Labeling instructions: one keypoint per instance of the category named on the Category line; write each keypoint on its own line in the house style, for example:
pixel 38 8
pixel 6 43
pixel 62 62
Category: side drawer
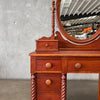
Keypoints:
pixel 47 45
pixel 48 65
pixel 48 82
pixel 84 66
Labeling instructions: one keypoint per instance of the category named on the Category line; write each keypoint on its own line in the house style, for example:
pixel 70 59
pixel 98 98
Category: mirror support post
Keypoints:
pixel 53 19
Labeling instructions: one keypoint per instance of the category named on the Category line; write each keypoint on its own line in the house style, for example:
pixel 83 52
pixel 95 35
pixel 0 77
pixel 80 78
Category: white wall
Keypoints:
pixel 21 23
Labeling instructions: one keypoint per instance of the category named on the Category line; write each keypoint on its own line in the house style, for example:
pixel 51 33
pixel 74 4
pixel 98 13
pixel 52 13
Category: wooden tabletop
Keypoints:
pixel 67 53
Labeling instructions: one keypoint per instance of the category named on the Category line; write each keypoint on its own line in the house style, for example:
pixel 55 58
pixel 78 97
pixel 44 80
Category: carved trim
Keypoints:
pixel 33 87
pixel 66 45
pixel 63 87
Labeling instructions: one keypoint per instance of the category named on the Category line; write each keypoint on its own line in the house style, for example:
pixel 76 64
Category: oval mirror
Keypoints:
pixel 79 20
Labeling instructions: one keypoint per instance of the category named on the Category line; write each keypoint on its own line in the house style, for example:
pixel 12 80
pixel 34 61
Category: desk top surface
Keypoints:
pixel 67 53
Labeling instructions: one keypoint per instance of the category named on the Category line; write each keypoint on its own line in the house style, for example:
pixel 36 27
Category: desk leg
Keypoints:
pixel 63 87
pixel 33 87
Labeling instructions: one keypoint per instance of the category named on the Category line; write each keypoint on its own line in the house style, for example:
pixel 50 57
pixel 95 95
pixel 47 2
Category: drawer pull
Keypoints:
pixel 48 65
pixel 48 82
pixel 78 65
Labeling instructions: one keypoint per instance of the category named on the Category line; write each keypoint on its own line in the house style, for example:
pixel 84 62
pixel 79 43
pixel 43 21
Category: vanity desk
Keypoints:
pixel 55 57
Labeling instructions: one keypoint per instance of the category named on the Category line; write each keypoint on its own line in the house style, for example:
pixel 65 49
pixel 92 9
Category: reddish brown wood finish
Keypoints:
pixel 64 45
pixel 63 87
pixel 48 65
pixel 49 69
pixel 53 19
pixel 87 66
pixel 48 82
pixel 55 82
pixel 33 65
pixel 48 96
pixel 78 65
pixel 66 54
pixel 47 45
pixel 64 65
pixel 55 65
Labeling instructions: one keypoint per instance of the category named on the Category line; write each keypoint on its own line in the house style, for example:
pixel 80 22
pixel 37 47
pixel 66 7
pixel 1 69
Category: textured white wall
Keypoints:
pixel 21 23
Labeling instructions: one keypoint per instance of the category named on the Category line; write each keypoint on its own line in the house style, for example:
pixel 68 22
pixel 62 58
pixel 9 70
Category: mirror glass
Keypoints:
pixel 80 18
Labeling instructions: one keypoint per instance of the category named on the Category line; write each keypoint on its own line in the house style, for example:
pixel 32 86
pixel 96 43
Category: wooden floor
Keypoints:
pixel 20 90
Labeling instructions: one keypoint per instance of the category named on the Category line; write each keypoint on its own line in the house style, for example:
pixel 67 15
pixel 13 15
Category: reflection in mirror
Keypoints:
pixel 80 18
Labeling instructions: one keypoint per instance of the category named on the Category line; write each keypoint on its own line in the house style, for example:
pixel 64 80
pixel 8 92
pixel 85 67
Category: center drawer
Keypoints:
pixel 84 66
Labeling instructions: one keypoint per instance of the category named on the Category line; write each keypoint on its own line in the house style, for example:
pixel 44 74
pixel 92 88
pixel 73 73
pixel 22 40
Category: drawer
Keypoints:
pixel 84 66
pixel 47 45
pixel 48 65
pixel 48 82
pixel 48 96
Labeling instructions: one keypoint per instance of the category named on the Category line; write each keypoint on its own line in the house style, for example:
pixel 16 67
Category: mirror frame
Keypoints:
pixel 65 34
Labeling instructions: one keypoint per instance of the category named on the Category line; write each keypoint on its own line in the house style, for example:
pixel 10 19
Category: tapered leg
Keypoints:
pixel 63 87
pixel 33 87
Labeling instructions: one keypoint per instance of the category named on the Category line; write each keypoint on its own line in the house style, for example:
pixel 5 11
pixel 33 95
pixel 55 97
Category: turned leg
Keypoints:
pixel 33 87
pixel 63 87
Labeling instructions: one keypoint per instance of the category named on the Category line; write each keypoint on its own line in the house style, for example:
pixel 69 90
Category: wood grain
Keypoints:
pixel 48 96
pixel 55 57
pixel 67 54
pixel 91 66
pixel 41 65
pixel 55 82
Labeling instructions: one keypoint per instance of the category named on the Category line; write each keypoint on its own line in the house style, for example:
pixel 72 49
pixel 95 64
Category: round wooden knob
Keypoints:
pixel 46 45
pixel 48 65
pixel 48 82
pixel 78 65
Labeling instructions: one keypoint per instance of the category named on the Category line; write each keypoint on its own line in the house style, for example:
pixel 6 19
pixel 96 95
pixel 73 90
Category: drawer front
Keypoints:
pixel 48 96
pixel 48 65
pixel 47 45
pixel 48 82
pixel 84 66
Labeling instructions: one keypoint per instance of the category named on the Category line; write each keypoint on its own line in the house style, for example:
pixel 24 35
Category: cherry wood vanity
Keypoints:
pixel 55 57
